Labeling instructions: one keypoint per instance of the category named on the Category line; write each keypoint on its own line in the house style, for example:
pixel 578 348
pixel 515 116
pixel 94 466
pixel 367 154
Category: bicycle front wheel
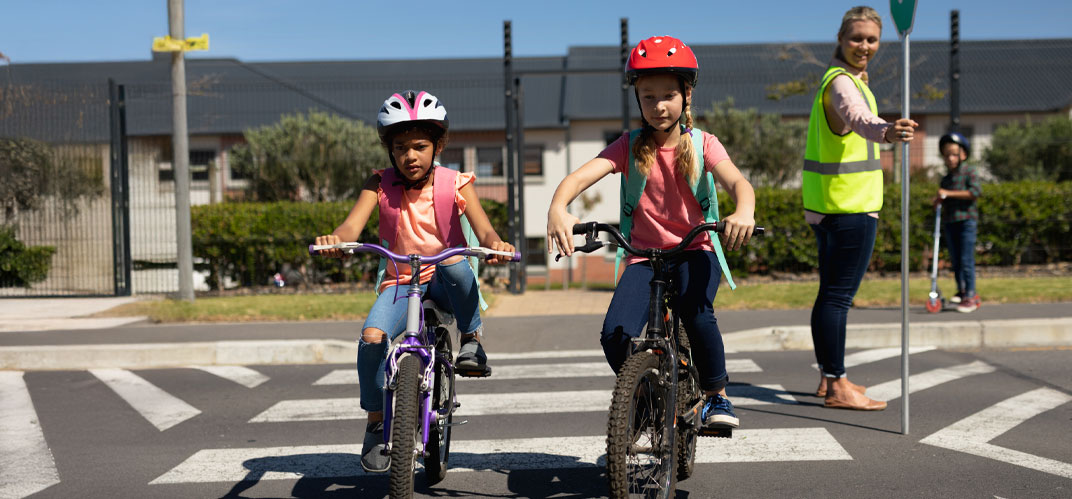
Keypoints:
pixel 405 431
pixel 640 432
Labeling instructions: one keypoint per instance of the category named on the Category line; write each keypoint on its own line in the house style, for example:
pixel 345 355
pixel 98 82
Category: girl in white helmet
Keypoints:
pixel 420 207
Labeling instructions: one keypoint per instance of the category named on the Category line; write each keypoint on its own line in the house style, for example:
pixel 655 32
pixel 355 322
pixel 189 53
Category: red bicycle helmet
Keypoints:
pixel 663 54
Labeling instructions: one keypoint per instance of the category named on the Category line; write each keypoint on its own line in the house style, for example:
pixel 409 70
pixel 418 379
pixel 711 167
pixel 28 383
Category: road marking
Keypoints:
pixel 26 463
pixel 892 389
pixel 538 371
pixel 548 354
pixel 239 374
pixel 328 461
pixel 971 434
pixel 877 354
pixel 489 404
pixel 161 408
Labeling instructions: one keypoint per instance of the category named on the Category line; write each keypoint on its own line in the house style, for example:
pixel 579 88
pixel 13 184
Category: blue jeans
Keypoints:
pixel 694 278
pixel 845 246
pixel 453 287
pixel 961 236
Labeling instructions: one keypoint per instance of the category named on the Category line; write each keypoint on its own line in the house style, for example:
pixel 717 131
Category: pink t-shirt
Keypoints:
pixel 417 230
pixel 667 209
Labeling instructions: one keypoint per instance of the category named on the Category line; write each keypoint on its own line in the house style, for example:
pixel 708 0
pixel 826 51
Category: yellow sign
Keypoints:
pixel 168 44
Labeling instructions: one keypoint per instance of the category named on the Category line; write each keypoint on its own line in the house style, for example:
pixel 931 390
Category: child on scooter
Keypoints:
pixel 960 189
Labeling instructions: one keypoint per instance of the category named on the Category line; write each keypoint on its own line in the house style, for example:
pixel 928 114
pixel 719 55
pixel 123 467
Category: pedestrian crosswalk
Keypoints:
pixel 544 387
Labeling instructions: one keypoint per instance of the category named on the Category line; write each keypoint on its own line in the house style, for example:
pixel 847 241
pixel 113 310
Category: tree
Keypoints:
pixel 30 172
pixel 317 156
pixel 1032 151
pixel 769 148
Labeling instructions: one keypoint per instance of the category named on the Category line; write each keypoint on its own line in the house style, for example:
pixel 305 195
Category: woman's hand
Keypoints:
pixel 500 246
pixel 330 239
pixel 560 231
pixel 738 230
pixel 902 130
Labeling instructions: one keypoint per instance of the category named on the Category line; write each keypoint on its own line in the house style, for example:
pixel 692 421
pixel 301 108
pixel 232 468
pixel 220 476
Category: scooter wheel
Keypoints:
pixel 934 305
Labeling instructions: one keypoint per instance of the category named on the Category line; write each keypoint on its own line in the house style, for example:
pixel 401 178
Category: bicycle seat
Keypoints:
pixel 436 316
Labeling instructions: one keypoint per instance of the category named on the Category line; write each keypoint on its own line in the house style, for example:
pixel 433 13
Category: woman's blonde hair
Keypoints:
pixel 685 155
pixel 858 13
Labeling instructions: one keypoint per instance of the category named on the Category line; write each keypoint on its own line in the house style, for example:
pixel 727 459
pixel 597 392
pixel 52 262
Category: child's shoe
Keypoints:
pixel 969 304
pixel 472 362
pixel 957 298
pixel 718 413
pixel 373 459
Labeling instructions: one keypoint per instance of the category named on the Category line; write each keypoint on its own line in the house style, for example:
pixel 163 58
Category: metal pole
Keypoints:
pixel 954 71
pixel 120 196
pixel 511 200
pixel 905 94
pixel 180 154
pixel 623 53
pixel 519 231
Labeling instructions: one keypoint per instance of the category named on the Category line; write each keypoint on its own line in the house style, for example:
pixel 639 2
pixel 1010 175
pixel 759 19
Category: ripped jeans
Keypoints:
pixel 453 288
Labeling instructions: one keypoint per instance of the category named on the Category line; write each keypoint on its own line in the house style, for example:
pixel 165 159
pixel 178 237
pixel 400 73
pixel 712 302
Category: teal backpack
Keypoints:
pixel 703 189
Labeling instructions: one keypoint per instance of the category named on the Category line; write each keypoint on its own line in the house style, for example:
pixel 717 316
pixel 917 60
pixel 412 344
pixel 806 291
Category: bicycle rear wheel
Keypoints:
pixel 640 434
pixel 438 451
pixel 405 427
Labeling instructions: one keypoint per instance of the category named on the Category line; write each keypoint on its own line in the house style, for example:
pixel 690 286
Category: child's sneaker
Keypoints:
pixel 969 304
pixel 373 459
pixel 472 361
pixel 718 413
pixel 957 298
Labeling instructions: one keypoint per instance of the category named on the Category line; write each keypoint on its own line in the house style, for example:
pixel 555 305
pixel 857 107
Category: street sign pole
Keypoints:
pixel 904 14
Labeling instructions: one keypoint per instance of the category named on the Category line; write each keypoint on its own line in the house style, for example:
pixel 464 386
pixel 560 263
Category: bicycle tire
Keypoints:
pixel 688 394
pixel 438 451
pixel 639 420
pixel 405 427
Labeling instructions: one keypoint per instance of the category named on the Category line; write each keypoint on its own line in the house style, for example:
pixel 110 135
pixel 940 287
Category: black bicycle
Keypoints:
pixel 654 418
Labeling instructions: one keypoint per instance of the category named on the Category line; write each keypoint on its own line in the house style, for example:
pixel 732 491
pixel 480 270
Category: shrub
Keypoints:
pixel 21 266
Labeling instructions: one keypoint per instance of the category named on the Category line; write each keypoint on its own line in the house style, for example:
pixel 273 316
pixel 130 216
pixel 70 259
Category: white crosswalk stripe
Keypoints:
pixel 335 409
pixel 876 354
pixel 539 371
pixel 917 382
pixel 239 374
pixel 26 463
pixel 326 461
pixel 161 408
pixel 972 434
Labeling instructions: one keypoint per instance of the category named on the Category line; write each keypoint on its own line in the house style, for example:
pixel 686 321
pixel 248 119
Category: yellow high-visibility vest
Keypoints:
pixel 842 173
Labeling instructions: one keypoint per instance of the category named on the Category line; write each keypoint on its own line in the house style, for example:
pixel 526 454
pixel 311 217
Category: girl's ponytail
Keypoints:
pixel 685 156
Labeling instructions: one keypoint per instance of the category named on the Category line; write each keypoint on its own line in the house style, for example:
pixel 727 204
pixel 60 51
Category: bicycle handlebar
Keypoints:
pixel 589 230
pixel 351 248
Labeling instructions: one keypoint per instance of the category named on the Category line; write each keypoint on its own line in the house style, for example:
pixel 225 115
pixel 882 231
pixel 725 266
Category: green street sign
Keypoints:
pixel 904 14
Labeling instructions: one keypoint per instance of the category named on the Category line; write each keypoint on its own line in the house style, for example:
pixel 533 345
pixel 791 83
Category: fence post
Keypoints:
pixel 119 180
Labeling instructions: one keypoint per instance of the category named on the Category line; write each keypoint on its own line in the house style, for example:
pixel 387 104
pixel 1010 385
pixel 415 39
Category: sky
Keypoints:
pixel 34 31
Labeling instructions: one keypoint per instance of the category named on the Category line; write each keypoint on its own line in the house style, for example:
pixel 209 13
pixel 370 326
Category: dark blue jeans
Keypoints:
pixel 961 236
pixel 845 246
pixel 694 278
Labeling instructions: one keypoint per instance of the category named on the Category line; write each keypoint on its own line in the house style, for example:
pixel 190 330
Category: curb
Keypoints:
pixel 963 335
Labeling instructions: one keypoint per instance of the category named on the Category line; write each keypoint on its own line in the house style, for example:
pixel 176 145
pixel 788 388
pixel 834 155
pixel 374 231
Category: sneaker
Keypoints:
pixel 718 413
pixel 969 304
pixel 373 458
pixel 957 298
pixel 471 355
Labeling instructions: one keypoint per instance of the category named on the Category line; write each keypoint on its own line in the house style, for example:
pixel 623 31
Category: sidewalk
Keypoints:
pixel 56 334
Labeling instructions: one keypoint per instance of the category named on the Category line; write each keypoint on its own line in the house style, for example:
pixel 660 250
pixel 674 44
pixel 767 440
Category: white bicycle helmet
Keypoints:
pixel 408 107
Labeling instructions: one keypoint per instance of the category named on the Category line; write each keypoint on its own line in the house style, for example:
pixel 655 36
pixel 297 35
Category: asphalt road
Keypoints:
pixel 984 424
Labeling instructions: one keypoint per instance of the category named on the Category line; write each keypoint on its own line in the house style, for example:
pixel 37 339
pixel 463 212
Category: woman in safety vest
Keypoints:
pixel 842 190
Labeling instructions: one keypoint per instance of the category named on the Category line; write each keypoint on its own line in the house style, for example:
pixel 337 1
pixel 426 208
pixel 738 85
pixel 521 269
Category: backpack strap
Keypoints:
pixel 703 189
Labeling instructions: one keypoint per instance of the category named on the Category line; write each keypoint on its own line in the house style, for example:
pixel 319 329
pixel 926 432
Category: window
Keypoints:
pixel 199 161
pixel 609 136
pixel 535 252
pixel 452 157
pixel 534 159
pixel 489 162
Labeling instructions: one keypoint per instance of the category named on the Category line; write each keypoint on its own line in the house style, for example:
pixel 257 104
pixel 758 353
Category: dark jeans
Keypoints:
pixel 961 236
pixel 845 246
pixel 695 279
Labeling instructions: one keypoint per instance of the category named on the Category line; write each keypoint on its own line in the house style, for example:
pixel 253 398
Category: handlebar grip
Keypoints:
pixel 517 257
pixel 579 229
pixel 313 252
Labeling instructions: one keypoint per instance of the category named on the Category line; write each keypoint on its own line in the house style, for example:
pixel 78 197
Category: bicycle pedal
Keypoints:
pixel 716 432
pixel 468 372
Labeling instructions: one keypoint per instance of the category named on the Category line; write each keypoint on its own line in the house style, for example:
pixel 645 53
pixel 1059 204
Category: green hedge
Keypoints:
pixel 249 242
pixel 21 265
pixel 1020 222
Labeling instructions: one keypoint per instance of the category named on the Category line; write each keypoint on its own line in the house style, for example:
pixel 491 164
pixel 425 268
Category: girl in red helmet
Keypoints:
pixel 663 71
pixel 411 197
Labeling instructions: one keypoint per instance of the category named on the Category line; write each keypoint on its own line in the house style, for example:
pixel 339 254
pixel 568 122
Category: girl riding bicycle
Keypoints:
pixel 663 71
pixel 420 213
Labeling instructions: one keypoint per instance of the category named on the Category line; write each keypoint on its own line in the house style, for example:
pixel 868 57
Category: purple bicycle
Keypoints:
pixel 419 399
